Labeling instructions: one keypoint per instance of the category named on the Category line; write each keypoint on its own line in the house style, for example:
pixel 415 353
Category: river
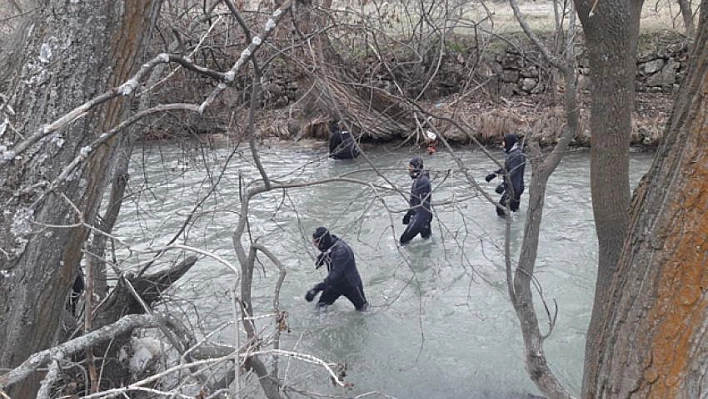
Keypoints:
pixel 440 323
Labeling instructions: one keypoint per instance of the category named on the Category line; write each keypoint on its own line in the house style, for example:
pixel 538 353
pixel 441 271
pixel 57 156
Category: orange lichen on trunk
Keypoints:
pixel 679 315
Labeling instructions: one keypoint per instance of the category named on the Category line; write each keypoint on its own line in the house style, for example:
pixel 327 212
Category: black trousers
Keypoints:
pixel 354 294
pixel 513 203
pixel 419 224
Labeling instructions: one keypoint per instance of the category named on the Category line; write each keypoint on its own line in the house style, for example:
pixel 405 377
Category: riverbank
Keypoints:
pixel 507 91
pixel 484 122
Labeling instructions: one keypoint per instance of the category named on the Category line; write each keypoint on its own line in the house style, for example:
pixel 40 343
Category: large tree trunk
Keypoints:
pixel 611 32
pixel 73 51
pixel 654 337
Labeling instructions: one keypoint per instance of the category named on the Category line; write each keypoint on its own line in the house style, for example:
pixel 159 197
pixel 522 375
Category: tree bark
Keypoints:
pixel 74 51
pixel 521 292
pixel 611 33
pixel 654 338
pixel 687 15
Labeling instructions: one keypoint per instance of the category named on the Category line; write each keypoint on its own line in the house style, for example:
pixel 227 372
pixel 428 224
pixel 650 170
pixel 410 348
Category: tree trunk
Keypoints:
pixel 521 292
pixel 654 338
pixel 611 33
pixel 73 51
pixel 119 181
pixel 687 15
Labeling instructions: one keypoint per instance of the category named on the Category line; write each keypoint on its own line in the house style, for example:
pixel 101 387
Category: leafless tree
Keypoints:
pixel 520 279
pixel 687 17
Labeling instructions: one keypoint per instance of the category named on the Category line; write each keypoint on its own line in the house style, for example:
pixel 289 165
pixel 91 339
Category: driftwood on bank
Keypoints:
pixel 134 294
pixel 121 300
pixel 39 359
pixel 369 113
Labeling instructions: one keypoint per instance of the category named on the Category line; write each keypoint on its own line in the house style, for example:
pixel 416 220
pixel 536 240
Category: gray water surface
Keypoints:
pixel 440 323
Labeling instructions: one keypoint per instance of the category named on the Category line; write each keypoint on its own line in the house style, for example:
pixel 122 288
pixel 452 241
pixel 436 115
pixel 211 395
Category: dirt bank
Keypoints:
pixel 485 121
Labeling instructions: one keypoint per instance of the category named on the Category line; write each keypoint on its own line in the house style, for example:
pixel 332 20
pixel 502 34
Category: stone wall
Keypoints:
pixel 659 69
pixel 513 70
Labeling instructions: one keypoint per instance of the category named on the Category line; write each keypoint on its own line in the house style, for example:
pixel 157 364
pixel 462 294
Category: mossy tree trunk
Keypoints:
pixel 72 51
pixel 653 340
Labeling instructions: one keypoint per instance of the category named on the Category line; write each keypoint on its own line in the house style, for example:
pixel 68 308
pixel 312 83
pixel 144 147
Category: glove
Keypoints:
pixel 407 217
pixel 490 176
pixel 311 295
pixel 500 188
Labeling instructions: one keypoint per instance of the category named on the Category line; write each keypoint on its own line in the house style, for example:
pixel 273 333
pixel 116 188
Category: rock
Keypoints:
pixel 510 76
pixel 527 84
pixel 529 72
pixel 651 67
pixel 666 77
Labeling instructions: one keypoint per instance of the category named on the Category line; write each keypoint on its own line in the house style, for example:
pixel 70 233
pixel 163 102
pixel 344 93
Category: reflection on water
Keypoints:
pixel 440 324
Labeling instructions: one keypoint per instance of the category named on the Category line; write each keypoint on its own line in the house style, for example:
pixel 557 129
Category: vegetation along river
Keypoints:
pixel 440 324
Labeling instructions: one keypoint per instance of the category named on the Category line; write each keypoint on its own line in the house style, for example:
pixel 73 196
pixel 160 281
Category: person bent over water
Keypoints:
pixel 513 173
pixel 341 143
pixel 343 277
pixel 419 216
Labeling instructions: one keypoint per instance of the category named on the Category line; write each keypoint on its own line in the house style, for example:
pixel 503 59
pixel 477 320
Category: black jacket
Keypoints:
pixel 419 201
pixel 342 145
pixel 339 258
pixel 514 165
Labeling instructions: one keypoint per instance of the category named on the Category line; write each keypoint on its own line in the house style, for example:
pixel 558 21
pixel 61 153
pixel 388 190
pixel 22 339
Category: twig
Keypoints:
pixel 303 357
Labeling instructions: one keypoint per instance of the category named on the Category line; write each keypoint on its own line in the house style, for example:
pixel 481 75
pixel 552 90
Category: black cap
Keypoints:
pixel 319 233
pixel 324 239
pixel 416 162
pixel 509 141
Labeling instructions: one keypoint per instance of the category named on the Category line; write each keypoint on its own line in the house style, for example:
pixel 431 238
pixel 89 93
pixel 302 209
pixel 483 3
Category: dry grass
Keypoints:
pixel 658 17
pixel 498 18
pixel 485 20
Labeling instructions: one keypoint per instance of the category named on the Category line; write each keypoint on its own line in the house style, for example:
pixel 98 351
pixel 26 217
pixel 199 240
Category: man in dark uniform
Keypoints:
pixel 419 216
pixel 341 143
pixel 513 172
pixel 343 277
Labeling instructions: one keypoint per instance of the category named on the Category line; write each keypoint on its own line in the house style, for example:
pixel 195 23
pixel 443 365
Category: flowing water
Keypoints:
pixel 440 323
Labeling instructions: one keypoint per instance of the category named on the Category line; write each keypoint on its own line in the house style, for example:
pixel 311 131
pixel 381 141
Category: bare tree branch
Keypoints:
pixel 125 89
pixel 249 52
pixel 39 359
